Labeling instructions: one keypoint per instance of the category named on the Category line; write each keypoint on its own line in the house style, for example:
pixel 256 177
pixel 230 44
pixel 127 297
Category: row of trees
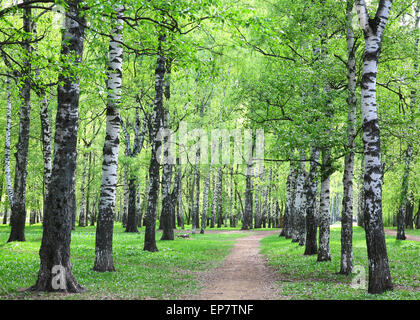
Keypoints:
pixel 125 70
pixel 310 97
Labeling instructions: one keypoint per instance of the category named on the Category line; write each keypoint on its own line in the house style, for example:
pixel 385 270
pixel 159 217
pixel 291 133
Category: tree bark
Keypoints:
pixel 218 203
pixel 46 137
pixel 88 189
pixel 56 237
pixel 404 201
pixel 132 206
pixel 196 208
pixel 311 187
pixel 257 212
pixel 360 201
pixel 82 210
pixel 373 29
pixel 156 124
pixel 168 200
pixel 7 167
pixel 213 205
pixel 18 215
pixel 139 136
pixel 206 193
pixel 247 218
pixel 290 195
pixel 324 216
pixel 299 204
pixel 346 264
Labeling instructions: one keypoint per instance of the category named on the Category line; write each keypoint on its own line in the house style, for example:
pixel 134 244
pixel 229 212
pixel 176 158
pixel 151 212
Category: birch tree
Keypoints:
pixel 18 214
pixel 105 223
pixel 155 125
pixel 299 202
pixel 403 202
pixel 373 29
pixel 311 187
pixel 346 262
pixel 56 237
pixel 324 206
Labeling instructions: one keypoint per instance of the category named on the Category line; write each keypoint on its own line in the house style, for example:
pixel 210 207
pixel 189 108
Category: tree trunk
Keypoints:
pixel 179 207
pixel 168 200
pixel 257 212
pixel 218 204
pixel 299 204
pixel 7 167
pixel 360 202
pixel 290 195
pixel 311 187
pixel 73 205
pixel 379 274
pixel 56 237
pixel 324 216
pixel 404 201
pixel 131 225
pixel 268 199
pixel 401 215
pixel 416 220
pixel 46 137
pixel 155 125
pixel 167 203
pixel 213 205
pixel 196 208
pixel 247 217
pixel 126 194
pixel 88 189
pixel 18 215
pixel 346 264
pixel 82 211
pixel 231 222
pixel 6 210
pixel 206 193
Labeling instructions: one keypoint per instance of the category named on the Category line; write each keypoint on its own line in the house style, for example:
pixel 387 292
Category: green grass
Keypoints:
pixel 301 277
pixel 166 274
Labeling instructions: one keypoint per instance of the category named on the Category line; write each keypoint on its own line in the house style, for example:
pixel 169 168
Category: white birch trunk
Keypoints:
pixel 105 220
pixel 299 202
pixel 373 29
pixel 324 205
pixel 8 171
pixel 346 264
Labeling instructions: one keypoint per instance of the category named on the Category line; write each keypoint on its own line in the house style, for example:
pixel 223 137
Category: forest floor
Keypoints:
pixel 232 280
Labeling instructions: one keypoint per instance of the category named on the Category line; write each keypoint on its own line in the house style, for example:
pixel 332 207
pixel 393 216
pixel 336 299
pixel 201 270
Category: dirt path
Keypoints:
pixel 409 237
pixel 243 275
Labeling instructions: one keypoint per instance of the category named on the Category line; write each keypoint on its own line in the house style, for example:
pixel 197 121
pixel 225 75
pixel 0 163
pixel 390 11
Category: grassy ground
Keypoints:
pixel 166 274
pixel 301 277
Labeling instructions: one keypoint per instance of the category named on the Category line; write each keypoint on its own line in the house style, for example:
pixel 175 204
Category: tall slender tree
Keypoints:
pixel 346 264
pixel 311 187
pixel 18 215
pixel 373 29
pixel 324 216
pixel 155 125
pixel 105 223
pixel 57 224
